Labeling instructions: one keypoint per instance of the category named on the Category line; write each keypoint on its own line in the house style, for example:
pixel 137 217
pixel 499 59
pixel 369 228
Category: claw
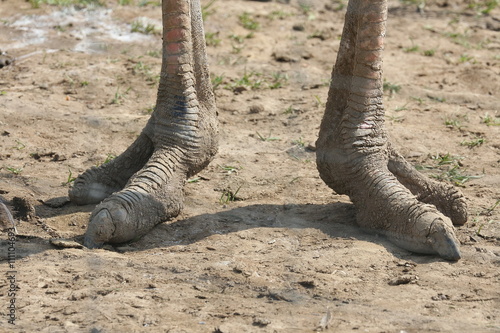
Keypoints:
pixel 100 229
pixel 443 240
pixel 437 237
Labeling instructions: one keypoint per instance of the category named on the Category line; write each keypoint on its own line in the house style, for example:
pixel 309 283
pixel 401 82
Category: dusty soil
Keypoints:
pixel 285 255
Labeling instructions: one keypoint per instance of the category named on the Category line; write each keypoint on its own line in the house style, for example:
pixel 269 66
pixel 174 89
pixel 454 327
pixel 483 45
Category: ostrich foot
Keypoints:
pixel 144 186
pixel 386 206
pixel 355 158
pixel 153 195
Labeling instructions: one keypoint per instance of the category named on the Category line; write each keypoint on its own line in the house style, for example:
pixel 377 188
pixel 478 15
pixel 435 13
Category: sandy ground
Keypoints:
pixel 286 255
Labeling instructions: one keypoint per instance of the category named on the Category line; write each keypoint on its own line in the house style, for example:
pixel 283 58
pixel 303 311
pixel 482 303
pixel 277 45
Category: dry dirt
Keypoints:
pixel 286 255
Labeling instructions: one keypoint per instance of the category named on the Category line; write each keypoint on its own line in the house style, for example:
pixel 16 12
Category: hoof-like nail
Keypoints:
pixel 100 229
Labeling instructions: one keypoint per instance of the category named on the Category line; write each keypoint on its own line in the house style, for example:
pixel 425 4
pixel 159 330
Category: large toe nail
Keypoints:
pixel 100 229
pixel 444 241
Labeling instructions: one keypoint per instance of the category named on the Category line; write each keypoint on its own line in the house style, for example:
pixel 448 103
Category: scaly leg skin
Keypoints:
pixel 98 183
pixel 355 158
pixel 179 140
pixel 448 199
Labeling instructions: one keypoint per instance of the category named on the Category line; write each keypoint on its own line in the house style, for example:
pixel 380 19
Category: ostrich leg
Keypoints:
pixel 144 185
pixel 355 158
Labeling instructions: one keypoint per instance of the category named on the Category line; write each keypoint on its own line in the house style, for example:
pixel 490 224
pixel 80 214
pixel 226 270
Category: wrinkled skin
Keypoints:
pixel 355 158
pixel 144 186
